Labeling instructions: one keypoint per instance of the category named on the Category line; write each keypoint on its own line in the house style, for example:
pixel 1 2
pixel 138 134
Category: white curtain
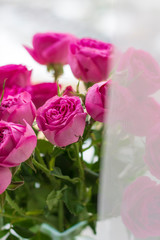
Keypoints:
pixel 133 109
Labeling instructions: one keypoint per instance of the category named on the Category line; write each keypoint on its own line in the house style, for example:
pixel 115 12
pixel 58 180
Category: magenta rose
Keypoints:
pixel 141 208
pixel 15 75
pixel 139 71
pixel 96 100
pixel 18 108
pixel 50 47
pixel 17 143
pixel 90 60
pixel 62 120
pixel 42 92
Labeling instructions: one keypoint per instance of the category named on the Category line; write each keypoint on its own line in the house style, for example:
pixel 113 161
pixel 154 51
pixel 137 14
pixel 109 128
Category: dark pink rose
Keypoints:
pixel 69 91
pixel 5 178
pixel 42 92
pixel 90 60
pixel 152 154
pixel 62 120
pixel 15 75
pixel 140 72
pixel 17 143
pixel 50 47
pixel 18 108
pixel 96 100
pixel 141 208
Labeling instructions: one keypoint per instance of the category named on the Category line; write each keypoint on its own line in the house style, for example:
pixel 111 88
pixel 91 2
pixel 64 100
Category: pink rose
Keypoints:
pixel 50 47
pixel 18 108
pixel 42 92
pixel 140 72
pixel 152 154
pixel 141 208
pixel 69 91
pixel 13 91
pixel 15 75
pixel 90 60
pixel 5 178
pixel 17 143
pixel 62 120
pixel 96 100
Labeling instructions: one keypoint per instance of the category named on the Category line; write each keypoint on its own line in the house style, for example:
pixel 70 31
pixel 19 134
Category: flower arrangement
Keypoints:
pixel 44 134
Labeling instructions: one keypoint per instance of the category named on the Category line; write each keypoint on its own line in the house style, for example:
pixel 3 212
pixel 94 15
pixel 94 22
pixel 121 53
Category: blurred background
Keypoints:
pixel 20 20
pixel 124 23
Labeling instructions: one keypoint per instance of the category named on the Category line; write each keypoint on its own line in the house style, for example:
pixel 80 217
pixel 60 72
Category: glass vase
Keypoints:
pixel 73 233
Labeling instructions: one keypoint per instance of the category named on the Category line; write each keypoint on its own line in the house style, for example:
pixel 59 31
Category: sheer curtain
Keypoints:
pixel 129 196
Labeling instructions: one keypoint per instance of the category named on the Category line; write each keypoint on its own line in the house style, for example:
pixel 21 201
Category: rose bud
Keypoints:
pixel 69 91
pixel 17 143
pixel 96 100
pixel 62 120
pixel 15 75
pixel 18 108
pixel 50 48
pixel 141 207
pixel 42 92
pixel 90 60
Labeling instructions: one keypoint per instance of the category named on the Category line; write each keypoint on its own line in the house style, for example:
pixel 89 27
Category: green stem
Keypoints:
pixel 61 216
pixel 81 169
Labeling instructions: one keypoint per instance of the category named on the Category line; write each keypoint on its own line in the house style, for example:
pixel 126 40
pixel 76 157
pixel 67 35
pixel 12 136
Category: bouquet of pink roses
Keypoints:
pixel 44 134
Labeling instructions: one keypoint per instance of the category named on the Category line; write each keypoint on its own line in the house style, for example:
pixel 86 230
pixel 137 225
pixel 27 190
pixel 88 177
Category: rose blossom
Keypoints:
pixel 96 100
pixel 139 71
pixel 15 75
pixel 18 108
pixel 50 47
pixel 41 92
pixel 17 143
pixel 141 208
pixel 62 120
pixel 90 60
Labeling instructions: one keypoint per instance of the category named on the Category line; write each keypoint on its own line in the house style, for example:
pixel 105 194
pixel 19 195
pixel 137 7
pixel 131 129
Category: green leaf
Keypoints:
pixel 44 146
pixel 57 151
pixel 12 237
pixel 3 233
pixel 23 232
pixel 2 199
pixel 14 205
pixel 54 197
pixel 14 185
pixel 57 173
pixel 41 236
pixel 71 202
pixel 14 170
pixel 30 164
pixel 35 212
